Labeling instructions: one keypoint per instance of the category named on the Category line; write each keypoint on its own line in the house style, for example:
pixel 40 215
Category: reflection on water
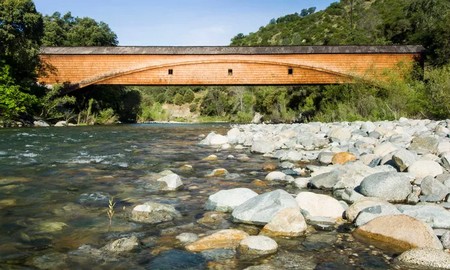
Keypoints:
pixel 46 221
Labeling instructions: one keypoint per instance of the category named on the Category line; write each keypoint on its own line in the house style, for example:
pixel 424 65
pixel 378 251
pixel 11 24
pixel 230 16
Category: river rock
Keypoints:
pixel 325 180
pixel 96 199
pixel 170 182
pixel 432 190
pixel 351 174
pixel 325 157
pixel 426 257
pixel 211 158
pixel 436 216
pixel 214 139
pixel 348 195
pixel 278 176
pixel 340 134
pixel 263 146
pixel 384 148
pixel 187 237
pixel 423 168
pixel 343 157
pixel 40 123
pixel 261 209
pixel 152 213
pixel 369 213
pixel 218 172
pixel 445 239
pixel 424 145
pixel 403 159
pixel 312 204
pixel 61 124
pixel 288 222
pixel 226 239
pixel 52 260
pixel 445 161
pixel 398 232
pixel 353 210
pixel 227 200
pixel 392 186
pixel 121 245
pixel 178 260
pixel 257 245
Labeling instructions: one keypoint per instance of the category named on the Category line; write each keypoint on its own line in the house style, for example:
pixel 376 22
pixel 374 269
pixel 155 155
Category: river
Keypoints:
pixel 44 223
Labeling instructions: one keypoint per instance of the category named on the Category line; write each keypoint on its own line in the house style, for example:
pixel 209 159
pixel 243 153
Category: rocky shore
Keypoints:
pixel 390 180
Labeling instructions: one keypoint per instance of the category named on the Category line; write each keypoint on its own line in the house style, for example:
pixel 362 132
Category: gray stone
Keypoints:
pixel 370 160
pixel 125 244
pixel 214 139
pixel 171 182
pixel 426 257
pixel 262 208
pixel 40 123
pixel 263 146
pixel 353 210
pixel 325 180
pixel 340 134
pixel 152 213
pixel 432 190
pixel 424 145
pixel 351 174
pixel 288 222
pixel 403 159
pixel 279 176
pixel 325 157
pixel 445 160
pixel 392 186
pixel 368 127
pixel 436 216
pixel 301 182
pixel 348 195
pixel 61 124
pixel 423 168
pixel 234 135
pixel 227 200
pixel 257 245
pixel 369 213
pixel 445 239
pixel 313 205
pixel 385 148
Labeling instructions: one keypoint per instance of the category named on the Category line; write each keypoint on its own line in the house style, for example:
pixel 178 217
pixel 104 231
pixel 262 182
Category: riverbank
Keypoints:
pixel 389 180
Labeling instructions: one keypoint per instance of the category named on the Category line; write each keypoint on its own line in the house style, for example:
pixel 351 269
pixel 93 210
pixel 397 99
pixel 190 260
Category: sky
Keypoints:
pixel 179 22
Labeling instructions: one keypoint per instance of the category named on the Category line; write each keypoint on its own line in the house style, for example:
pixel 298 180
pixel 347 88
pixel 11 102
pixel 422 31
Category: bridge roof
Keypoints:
pixel 228 50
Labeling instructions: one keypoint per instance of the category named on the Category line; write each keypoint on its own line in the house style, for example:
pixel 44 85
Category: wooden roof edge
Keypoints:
pixel 223 50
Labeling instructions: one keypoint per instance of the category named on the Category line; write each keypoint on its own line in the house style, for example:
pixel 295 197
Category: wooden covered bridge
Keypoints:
pixel 275 65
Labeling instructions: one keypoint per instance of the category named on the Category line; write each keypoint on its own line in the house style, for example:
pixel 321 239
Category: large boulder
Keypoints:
pixel 426 257
pixel 227 200
pixel 319 205
pixel 424 145
pixel 398 232
pixel 263 146
pixel 436 216
pixel 170 182
pixel 224 239
pixel 325 180
pixel 288 222
pixel 214 139
pixel 262 208
pixel 152 213
pixel 392 186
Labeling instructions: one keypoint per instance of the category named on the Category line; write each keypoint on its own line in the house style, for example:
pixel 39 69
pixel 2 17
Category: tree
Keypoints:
pixel 67 30
pixel 21 30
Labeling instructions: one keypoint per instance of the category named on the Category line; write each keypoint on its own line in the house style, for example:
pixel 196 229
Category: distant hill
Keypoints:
pixel 345 22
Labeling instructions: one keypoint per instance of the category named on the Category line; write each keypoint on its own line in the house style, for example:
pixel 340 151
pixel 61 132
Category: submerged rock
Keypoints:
pixel 151 212
pixel 96 199
pixel 224 239
pixel 125 244
pixel 178 260
pixel 257 245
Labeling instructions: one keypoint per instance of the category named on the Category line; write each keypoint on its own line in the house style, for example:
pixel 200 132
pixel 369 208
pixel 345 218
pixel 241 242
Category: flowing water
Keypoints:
pixel 46 224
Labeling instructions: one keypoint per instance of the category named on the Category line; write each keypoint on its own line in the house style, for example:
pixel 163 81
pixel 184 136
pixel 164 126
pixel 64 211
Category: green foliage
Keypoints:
pixel 106 117
pixel 67 30
pixel 21 29
pixel 14 100
pixel 155 112
pixel 55 105
pixel 437 92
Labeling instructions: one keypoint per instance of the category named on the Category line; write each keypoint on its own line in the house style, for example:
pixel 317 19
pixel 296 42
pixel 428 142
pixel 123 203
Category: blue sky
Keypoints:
pixel 179 22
